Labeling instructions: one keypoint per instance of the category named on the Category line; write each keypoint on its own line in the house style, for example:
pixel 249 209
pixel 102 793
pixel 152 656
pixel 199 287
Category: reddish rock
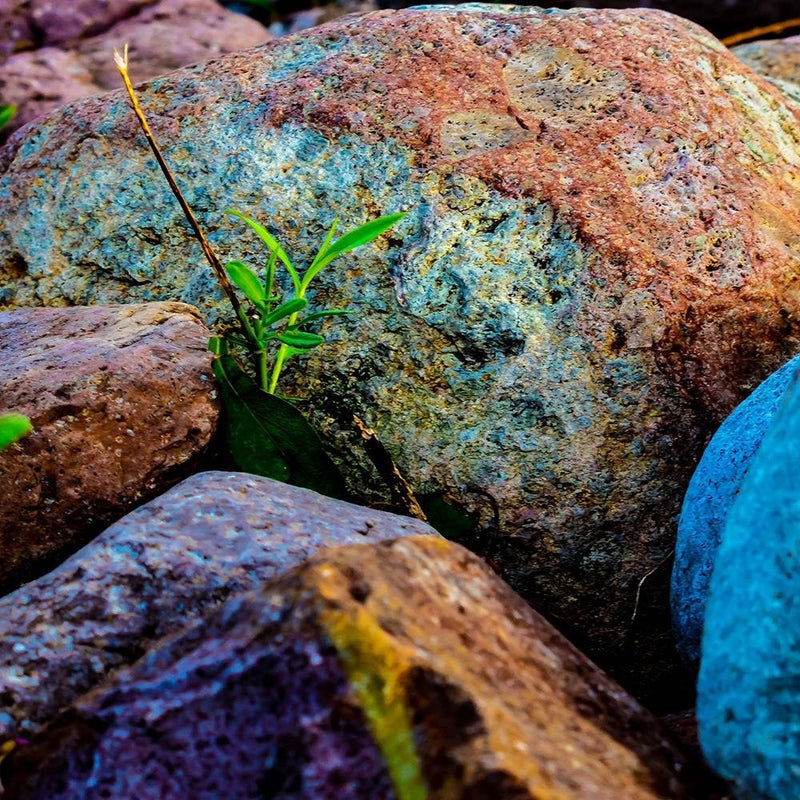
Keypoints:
pixel 403 669
pixel 78 38
pixel 121 399
pixel 156 571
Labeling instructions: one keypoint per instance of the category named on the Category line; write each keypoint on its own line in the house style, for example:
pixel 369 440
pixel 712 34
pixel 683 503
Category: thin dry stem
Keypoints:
pixel 121 61
pixel 757 33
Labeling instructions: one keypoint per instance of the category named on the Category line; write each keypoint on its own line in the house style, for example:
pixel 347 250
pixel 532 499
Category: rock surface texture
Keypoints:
pixel 54 52
pixel 777 60
pixel 406 664
pixel 712 491
pixel 749 687
pixel 122 400
pixel 596 267
pixel 156 571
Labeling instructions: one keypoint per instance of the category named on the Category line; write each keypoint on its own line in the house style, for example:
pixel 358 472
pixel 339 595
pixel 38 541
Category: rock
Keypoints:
pixel 778 60
pixel 748 691
pixel 406 662
pixel 122 401
pixel 156 571
pixel 27 23
pixel 79 39
pixel 711 493
pixel 592 274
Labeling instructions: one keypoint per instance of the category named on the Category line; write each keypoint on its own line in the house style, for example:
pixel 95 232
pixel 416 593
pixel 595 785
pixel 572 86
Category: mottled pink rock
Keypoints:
pixel 156 571
pixel 122 400
pixel 79 38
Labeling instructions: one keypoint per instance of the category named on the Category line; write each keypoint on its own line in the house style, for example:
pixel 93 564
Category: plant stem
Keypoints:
pixel 122 66
pixel 262 369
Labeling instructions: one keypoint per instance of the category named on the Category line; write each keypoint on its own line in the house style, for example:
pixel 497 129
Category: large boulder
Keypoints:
pixel 156 571
pixel 712 491
pixel 748 692
pixel 122 402
pixel 64 50
pixel 404 669
pixel 593 272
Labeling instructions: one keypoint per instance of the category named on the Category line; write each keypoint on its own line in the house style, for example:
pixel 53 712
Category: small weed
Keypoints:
pixel 266 434
pixel 6 114
pixel 13 427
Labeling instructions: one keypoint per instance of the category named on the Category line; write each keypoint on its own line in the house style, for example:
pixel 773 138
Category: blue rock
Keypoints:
pixel 749 687
pixel 711 493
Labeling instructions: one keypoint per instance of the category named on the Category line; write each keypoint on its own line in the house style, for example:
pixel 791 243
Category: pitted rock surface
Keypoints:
pixel 405 663
pixel 712 492
pixel 595 269
pixel 122 400
pixel 778 60
pixel 63 49
pixel 747 690
pixel 155 571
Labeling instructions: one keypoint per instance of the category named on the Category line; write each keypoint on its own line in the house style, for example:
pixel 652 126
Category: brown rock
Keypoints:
pixel 411 650
pixel 79 38
pixel 156 571
pixel 121 399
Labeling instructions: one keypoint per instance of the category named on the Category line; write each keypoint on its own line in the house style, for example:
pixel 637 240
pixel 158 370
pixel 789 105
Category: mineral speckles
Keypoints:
pixel 557 83
pixel 471 133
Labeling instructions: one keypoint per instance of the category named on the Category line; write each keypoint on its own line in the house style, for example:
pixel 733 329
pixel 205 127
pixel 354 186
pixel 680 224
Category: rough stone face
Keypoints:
pixel 777 60
pixel 712 491
pixel 596 267
pixel 121 399
pixel 78 40
pixel 405 662
pixel 748 691
pixel 156 571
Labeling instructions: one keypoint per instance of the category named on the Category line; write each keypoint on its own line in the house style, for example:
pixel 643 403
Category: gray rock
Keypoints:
pixel 712 491
pixel 122 401
pixel 155 571
pixel 748 693
pixel 778 60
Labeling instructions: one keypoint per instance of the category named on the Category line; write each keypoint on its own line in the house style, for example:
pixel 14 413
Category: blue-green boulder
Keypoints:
pixel 714 487
pixel 748 702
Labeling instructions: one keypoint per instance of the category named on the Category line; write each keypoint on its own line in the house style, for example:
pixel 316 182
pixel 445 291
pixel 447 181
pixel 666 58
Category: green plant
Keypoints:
pixel 12 428
pixel 6 114
pixel 266 434
pixel 283 321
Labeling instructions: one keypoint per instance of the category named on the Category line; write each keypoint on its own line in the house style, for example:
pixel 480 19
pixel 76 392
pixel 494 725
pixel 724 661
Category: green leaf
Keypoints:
pixel 330 312
pixel 285 310
pixel 325 244
pixel 272 243
pixel 12 428
pixel 300 339
pixel 6 114
pixel 247 280
pixel 350 241
pixel 217 345
pixel 270 437
pixel 449 520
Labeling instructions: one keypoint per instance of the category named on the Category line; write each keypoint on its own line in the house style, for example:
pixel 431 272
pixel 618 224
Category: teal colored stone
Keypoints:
pixel 748 703
pixel 712 491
